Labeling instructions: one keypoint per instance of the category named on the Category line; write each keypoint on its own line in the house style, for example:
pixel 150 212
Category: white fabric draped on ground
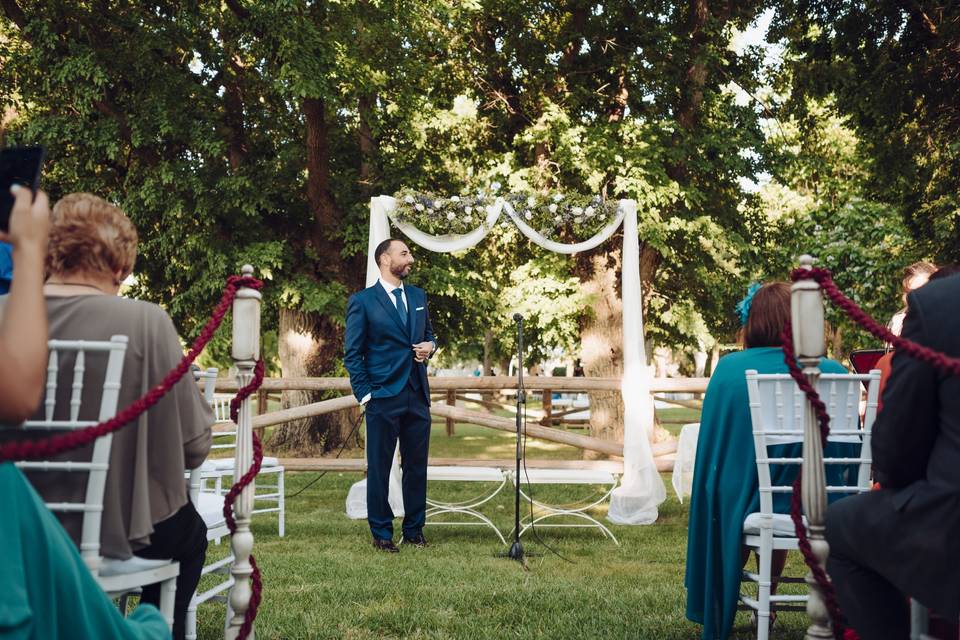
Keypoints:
pixel 641 489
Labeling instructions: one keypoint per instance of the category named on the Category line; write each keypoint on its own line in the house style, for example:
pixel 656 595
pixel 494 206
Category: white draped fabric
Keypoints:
pixel 558 247
pixel 641 489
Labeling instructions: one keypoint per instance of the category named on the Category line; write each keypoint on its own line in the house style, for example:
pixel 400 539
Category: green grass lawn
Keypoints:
pixel 324 579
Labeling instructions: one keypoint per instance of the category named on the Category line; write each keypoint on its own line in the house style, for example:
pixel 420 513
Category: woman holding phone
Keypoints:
pixel 46 591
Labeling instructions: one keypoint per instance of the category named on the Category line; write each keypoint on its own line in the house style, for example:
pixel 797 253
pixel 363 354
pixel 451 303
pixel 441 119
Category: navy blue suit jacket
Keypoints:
pixel 378 349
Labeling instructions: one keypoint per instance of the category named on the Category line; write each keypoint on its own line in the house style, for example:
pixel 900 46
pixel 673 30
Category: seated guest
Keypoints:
pixel 46 590
pixel 914 277
pixel 902 540
pixel 885 363
pixel 146 508
pixel 725 484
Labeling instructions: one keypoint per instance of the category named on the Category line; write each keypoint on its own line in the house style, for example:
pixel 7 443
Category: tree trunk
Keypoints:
pixel 837 344
pixel 601 337
pixel 488 352
pixel 323 206
pixel 367 144
pixel 714 357
pixel 309 345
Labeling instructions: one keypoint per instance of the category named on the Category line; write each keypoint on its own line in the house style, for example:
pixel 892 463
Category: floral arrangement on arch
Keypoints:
pixel 445 214
pixel 548 214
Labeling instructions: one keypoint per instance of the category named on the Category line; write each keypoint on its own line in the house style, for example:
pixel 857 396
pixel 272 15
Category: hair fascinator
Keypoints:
pixel 743 307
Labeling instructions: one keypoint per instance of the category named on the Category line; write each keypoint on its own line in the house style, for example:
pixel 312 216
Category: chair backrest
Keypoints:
pixel 208 380
pixel 778 410
pixel 59 419
pixel 223 438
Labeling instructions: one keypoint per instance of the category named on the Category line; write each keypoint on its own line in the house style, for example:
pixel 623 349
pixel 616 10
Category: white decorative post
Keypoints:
pixel 246 352
pixel 806 317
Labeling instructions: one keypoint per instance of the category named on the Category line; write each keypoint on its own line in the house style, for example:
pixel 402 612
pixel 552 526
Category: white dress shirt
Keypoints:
pixel 389 289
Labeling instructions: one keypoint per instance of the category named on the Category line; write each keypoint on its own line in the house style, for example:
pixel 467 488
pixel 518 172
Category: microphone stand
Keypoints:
pixel 516 551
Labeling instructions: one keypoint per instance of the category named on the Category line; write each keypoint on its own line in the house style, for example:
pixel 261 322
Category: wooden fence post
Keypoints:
pixel 451 401
pixel 547 407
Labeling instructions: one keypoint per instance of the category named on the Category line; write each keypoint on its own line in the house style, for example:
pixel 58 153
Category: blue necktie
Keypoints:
pixel 401 308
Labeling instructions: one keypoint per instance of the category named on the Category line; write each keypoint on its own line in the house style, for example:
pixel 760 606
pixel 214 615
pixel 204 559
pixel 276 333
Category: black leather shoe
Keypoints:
pixel 385 545
pixel 418 541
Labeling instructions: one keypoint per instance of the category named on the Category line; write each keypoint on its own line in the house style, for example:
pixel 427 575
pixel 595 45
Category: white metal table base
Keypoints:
pixel 468 508
pixel 552 511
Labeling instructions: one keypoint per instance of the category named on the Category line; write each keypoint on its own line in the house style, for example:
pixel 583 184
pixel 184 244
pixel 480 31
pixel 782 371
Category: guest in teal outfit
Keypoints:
pixel 46 590
pixel 725 484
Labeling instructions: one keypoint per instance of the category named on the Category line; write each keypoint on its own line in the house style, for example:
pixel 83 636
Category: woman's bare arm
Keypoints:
pixel 23 325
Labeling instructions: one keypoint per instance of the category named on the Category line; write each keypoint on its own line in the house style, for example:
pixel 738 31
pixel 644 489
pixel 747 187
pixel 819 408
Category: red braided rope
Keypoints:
pixel 55 445
pixel 924 354
pixel 256 583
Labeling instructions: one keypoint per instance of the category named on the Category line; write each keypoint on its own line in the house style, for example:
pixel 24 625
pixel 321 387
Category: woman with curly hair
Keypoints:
pixel 147 512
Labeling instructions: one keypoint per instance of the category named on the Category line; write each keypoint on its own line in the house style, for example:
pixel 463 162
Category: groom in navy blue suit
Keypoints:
pixel 388 341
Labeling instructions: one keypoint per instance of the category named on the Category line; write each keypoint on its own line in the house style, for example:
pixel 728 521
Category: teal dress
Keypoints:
pixel 46 591
pixel 725 487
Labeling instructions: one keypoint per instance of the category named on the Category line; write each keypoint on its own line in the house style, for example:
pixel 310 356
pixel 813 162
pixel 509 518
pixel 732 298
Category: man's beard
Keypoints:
pixel 400 272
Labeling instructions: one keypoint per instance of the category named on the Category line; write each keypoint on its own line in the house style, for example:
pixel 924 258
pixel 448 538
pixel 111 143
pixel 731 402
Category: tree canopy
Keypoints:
pixel 239 131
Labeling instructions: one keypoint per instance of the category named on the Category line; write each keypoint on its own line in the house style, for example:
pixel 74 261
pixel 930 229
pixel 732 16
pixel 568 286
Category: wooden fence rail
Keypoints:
pixel 485 383
pixel 448 388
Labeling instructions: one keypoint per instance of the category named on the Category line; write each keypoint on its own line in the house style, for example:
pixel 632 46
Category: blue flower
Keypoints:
pixel 743 307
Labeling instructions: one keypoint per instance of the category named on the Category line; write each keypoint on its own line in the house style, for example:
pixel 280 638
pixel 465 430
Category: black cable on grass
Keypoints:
pixel 353 430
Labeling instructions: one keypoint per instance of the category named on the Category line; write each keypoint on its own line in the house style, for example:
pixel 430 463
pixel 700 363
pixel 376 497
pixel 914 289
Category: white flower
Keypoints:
pixel 418 207
pixel 577 210
pixel 451 215
pixel 438 204
pixel 528 215
pixel 495 186
pixel 578 219
pixel 408 199
pixel 552 208
pixel 468 218
pixel 558 197
pixel 588 211
pixel 558 219
pixel 531 201
pixel 468 210
pixel 454 198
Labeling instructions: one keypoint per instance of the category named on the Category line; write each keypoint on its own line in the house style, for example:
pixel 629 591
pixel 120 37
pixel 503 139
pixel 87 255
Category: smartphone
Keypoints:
pixel 18 165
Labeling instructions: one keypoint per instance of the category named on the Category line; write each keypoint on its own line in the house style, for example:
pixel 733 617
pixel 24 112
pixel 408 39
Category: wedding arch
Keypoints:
pixel 641 489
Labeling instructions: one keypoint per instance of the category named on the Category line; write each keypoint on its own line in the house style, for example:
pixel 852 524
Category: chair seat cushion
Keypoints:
pixel 781 522
pixel 467 474
pixel 226 464
pixel 114 567
pixel 566 476
pixel 210 507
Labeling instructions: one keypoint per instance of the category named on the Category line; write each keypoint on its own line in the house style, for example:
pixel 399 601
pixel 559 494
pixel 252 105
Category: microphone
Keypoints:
pixel 517 317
